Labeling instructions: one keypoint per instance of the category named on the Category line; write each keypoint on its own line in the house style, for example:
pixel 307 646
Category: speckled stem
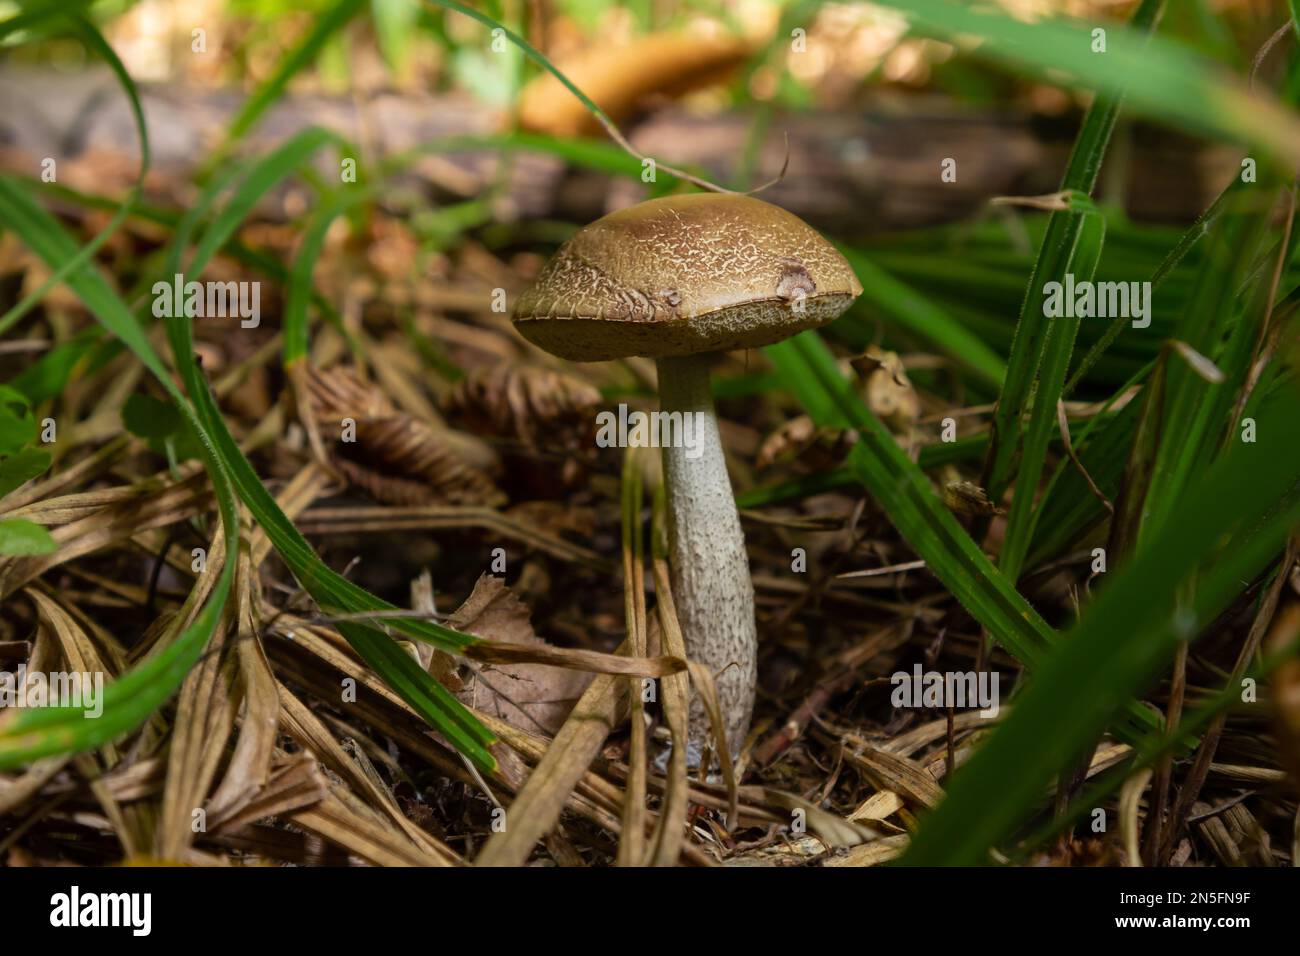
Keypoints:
pixel 710 567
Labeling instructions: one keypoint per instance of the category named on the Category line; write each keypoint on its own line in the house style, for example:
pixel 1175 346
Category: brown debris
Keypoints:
pixel 533 697
pixel 393 456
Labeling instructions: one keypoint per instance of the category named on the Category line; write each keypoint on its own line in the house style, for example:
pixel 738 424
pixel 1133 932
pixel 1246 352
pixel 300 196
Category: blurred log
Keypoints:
pixel 855 174
pixel 85 117
pixel 621 79
pixel 849 173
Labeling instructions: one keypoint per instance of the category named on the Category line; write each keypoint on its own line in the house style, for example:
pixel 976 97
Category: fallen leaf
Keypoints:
pixel 533 697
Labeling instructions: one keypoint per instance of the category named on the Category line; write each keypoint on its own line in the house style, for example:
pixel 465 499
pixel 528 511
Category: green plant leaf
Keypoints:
pixel 394 22
pixel 18 536
pixel 263 173
pixel 21 467
pixel 147 417
pixel 16 430
pixel 298 295
pixel 49 375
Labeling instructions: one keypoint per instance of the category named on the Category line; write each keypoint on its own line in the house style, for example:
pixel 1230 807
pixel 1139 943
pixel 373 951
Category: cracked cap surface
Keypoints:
pixel 705 272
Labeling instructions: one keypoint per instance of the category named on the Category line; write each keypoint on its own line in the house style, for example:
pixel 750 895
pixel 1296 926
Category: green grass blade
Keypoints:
pixel 1058 349
pixel 901 489
pixel 261 177
pixel 1191 414
pixel 335 593
pixel 1068 508
pixel 909 309
pixel 326 25
pixel 332 591
pixel 329 589
pixel 37 13
pixel 129 700
pixel 95 41
pixel 1124 639
pixel 299 292
pixel 1053 262
pixel 1202 227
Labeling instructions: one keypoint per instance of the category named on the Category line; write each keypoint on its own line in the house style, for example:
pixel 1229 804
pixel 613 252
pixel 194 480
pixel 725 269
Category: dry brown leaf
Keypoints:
pixel 887 389
pixel 555 517
pixel 530 696
pixel 1130 800
pixel 296 782
pixel 670 831
pixel 872 854
pixel 819 448
pixel 249 769
pixel 540 801
pixel 343 819
pixel 879 806
pixel 1215 833
pixel 1049 202
pixel 967 498
pixel 902 775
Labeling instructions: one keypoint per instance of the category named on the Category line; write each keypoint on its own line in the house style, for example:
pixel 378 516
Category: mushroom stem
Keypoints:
pixel 710 567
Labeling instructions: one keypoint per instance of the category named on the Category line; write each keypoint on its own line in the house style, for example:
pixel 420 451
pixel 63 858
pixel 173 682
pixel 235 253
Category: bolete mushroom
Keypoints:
pixel 677 279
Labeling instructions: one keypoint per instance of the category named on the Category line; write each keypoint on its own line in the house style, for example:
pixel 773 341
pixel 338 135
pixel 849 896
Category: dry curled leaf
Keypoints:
pixel 834 830
pixel 533 697
pixel 887 389
pixel 968 498
pixel 394 457
pixel 801 439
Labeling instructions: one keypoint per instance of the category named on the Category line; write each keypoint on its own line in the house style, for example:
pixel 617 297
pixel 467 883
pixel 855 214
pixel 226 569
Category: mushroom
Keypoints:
pixel 677 279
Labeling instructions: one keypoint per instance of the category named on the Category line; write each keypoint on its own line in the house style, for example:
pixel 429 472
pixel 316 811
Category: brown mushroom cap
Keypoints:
pixel 705 272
